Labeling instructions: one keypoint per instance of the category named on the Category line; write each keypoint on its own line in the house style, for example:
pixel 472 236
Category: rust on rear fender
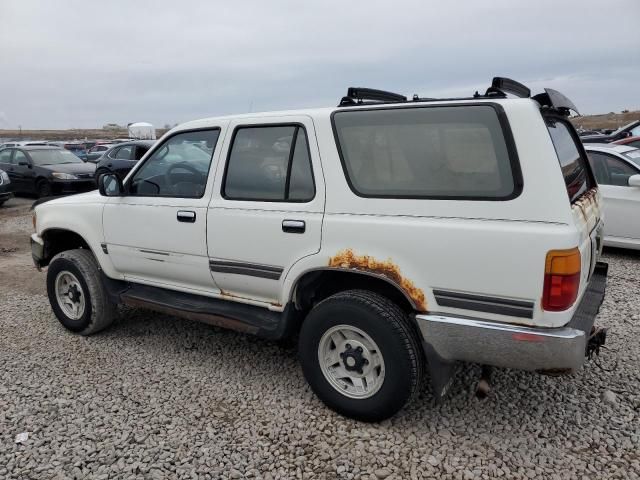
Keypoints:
pixel 588 201
pixel 349 260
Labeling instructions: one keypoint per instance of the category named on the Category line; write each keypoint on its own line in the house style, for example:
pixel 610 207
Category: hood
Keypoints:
pixel 70 168
pixel 84 198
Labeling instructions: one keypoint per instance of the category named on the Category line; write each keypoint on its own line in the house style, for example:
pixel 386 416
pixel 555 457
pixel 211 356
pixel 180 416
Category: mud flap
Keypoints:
pixel 441 372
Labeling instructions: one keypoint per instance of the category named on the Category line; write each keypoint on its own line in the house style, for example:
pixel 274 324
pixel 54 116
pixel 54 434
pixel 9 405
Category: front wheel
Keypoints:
pixel 43 188
pixel 361 355
pixel 76 293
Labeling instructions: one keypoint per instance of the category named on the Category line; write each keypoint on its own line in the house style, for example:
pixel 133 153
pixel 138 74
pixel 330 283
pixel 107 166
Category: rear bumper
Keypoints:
pixel 514 346
pixel 4 196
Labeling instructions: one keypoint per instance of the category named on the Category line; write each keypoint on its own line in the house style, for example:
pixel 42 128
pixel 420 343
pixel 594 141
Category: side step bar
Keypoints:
pixel 221 313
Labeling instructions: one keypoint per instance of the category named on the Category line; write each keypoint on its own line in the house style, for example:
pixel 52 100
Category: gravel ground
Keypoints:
pixel 157 397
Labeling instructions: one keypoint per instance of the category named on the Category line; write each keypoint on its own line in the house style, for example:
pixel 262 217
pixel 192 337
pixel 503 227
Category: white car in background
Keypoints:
pixel 617 170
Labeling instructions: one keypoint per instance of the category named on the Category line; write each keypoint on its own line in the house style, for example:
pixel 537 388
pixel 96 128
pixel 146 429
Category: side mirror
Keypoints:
pixel 110 185
pixel 634 180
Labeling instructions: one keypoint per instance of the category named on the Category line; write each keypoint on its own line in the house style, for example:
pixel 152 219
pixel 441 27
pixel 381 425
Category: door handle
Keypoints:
pixel 186 216
pixel 293 226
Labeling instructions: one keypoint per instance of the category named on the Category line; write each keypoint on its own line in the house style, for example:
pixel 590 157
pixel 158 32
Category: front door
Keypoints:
pixel 621 202
pixel 156 233
pixel 267 207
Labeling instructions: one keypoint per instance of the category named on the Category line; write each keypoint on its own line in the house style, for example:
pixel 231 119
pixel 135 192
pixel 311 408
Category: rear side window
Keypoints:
pixel 269 163
pixel 574 166
pixel 457 152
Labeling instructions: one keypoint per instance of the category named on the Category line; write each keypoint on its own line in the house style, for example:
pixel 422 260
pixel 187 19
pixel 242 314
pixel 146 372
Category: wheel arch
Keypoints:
pixel 317 284
pixel 58 240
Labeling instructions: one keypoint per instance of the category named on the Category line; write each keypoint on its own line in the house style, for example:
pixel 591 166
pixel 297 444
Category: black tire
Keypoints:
pixel 99 310
pixel 43 188
pixel 397 339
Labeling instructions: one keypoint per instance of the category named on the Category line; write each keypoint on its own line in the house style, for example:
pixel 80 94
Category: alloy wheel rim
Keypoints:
pixel 351 361
pixel 69 294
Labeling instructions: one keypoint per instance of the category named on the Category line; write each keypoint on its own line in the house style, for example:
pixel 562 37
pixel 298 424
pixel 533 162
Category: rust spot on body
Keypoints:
pixel 588 201
pixel 348 260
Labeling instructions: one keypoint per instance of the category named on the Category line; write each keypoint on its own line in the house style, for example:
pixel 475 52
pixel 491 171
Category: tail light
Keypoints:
pixel 561 279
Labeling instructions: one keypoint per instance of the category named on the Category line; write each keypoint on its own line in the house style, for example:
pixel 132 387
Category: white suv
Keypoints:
pixel 392 235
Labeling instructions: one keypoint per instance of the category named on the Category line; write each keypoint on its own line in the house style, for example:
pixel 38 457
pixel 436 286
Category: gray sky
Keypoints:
pixel 84 63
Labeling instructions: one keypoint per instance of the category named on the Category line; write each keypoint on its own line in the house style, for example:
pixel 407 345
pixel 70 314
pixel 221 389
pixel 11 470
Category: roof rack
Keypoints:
pixel 500 87
pixel 358 95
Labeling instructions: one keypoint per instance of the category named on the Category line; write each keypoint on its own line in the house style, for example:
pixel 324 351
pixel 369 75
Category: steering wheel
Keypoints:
pixel 182 165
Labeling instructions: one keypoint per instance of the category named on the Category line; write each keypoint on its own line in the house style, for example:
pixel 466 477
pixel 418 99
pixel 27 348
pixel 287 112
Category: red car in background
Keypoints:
pixel 629 141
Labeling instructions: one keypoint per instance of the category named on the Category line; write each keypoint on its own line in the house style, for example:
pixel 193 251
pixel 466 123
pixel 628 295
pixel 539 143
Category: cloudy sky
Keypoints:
pixel 84 63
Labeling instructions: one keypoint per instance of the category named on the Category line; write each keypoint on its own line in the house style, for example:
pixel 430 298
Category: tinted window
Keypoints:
pixel 5 155
pixel 123 153
pixel 179 168
pixel 140 151
pixel 573 165
pixel 269 164
pixel 437 152
pixel 18 157
pixel 610 170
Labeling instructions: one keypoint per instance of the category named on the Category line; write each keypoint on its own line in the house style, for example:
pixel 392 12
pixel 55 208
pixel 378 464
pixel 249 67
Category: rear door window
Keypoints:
pixel 269 164
pixel 457 152
pixel 575 168
pixel 610 170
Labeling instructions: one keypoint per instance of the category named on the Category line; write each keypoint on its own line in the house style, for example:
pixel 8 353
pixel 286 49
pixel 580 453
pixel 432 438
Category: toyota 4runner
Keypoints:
pixel 392 235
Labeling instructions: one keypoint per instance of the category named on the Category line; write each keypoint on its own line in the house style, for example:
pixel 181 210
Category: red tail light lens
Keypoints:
pixel 561 279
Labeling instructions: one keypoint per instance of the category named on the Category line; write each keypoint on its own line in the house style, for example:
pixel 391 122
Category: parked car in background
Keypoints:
pixel 121 158
pixel 46 171
pixel 630 130
pixel 629 142
pixel 78 149
pixel 6 191
pixel 95 152
pixel 617 171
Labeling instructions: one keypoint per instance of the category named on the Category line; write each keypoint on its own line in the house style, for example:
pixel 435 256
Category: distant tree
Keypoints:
pixel 625 111
pixel 167 126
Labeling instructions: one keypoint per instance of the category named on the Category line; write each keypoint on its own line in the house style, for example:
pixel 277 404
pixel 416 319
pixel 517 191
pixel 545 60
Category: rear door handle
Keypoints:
pixel 186 216
pixel 293 226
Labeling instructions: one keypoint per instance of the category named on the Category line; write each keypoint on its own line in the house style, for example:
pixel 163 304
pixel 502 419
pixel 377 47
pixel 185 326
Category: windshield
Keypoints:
pixel 53 157
pixel 628 125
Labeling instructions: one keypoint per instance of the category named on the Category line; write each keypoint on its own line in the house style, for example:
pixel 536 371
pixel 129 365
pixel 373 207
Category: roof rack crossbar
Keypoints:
pixel 356 95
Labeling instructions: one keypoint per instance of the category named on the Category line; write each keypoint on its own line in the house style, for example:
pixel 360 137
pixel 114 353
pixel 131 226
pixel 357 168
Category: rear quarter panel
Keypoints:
pixel 495 248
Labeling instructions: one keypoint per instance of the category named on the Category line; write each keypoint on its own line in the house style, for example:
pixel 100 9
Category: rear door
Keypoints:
pixel 267 208
pixel 622 202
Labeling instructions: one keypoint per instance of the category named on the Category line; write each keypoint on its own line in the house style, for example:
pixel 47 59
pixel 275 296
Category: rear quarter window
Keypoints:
pixel 453 152
pixel 575 168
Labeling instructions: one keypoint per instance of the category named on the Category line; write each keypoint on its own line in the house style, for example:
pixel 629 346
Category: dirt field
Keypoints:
pixel 606 120
pixel 16 268
pixel 157 397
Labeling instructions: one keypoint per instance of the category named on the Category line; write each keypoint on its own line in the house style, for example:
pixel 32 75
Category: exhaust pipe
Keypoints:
pixel 484 385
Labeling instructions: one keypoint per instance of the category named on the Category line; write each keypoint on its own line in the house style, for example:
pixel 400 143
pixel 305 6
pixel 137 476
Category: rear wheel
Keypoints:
pixel 76 293
pixel 361 355
pixel 43 188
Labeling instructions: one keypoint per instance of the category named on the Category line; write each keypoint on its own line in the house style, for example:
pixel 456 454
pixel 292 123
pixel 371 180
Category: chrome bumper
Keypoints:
pixel 502 345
